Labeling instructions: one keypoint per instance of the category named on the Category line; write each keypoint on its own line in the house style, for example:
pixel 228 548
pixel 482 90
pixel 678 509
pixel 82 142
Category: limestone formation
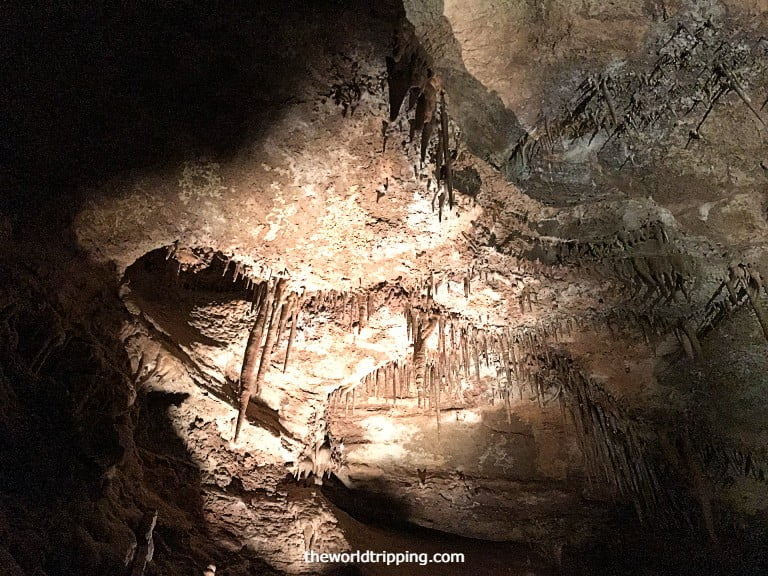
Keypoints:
pixel 302 277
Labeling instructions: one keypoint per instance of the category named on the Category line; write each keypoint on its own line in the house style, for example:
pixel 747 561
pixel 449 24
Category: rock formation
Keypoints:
pixel 429 276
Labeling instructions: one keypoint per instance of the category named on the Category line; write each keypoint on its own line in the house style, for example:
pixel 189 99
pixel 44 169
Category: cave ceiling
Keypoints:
pixel 491 268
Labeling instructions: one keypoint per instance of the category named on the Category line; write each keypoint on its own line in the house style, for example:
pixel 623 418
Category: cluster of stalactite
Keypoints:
pixel 619 452
pixel 661 473
pixel 662 470
pixel 464 352
pixel 392 381
pixel 616 451
pixel 578 251
pixel 645 264
pixel 505 362
pixel 644 261
pixel 348 91
pixel 497 360
pixel 658 279
pixel 500 360
pixel 726 463
pixel 695 68
pixel 353 309
pixel 743 284
pixel 410 75
pixel 194 260
pixel 276 308
pixel 650 325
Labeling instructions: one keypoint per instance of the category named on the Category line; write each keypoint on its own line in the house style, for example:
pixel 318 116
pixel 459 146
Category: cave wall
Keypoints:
pixel 604 263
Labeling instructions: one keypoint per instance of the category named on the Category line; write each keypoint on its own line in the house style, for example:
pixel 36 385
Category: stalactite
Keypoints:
pixel 504 344
pixel 259 292
pixel 690 333
pixel 464 351
pixel 444 135
pixel 405 381
pixel 519 369
pixel 395 382
pixel 419 395
pixel 423 330
pixel 370 304
pixel 408 322
pixel 285 312
pixel 299 301
pixel 476 353
pixel 266 356
pixel 356 312
pixel 700 485
pixel 362 307
pixel 451 376
pixel 438 386
pixel 250 367
pixel 508 404
pixel 346 317
pixel 685 343
pixel 753 287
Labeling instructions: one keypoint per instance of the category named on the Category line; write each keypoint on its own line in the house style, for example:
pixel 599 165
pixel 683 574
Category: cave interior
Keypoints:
pixel 480 278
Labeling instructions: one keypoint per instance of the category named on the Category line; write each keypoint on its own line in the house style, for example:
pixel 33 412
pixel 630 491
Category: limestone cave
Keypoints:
pixel 478 285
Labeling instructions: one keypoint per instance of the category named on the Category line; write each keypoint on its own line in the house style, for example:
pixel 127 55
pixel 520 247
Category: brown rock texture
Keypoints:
pixel 484 277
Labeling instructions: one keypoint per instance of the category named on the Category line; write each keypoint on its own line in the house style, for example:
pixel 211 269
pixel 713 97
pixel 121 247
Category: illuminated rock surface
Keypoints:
pixel 545 350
